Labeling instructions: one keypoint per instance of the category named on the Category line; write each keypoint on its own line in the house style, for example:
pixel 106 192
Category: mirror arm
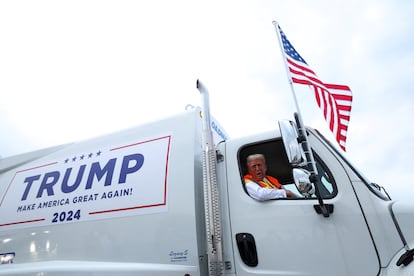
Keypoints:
pixel 321 208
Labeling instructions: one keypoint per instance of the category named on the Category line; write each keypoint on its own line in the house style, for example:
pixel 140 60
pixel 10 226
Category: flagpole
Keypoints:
pixel 299 115
pixel 292 89
pixel 302 131
pixel 287 70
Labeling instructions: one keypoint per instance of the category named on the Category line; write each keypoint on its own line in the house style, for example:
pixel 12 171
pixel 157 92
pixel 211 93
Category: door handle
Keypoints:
pixel 247 248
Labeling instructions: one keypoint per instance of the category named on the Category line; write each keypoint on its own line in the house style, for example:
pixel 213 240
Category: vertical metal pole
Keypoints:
pixel 211 193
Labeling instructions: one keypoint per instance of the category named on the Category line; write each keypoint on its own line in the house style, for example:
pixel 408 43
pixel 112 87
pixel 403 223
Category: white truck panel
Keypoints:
pixel 149 225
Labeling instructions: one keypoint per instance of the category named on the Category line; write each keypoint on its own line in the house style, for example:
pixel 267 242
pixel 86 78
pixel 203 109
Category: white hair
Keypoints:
pixel 252 157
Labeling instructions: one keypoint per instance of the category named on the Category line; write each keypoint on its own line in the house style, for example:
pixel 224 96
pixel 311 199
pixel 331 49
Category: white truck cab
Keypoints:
pixel 168 198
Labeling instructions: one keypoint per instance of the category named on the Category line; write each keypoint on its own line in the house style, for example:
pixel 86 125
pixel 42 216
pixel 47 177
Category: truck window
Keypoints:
pixel 326 183
pixel 278 166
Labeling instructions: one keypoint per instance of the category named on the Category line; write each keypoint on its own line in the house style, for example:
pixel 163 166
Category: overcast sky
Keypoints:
pixel 72 70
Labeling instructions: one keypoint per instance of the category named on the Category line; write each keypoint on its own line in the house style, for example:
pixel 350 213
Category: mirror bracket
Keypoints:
pixel 313 178
pixel 301 138
pixel 324 209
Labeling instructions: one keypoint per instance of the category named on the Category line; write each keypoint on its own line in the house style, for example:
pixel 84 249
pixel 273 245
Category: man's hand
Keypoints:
pixel 290 194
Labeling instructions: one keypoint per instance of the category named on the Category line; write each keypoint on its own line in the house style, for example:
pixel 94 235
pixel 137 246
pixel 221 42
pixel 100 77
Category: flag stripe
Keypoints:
pixel 300 67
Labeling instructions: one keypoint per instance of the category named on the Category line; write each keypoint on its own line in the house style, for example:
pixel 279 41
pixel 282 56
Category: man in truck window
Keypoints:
pixel 261 186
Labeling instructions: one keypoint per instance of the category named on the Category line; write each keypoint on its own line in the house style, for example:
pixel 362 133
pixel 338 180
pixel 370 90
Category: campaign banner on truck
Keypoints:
pixel 97 183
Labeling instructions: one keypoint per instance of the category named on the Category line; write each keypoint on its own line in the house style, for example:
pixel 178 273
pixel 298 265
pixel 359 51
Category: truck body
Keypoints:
pixel 134 203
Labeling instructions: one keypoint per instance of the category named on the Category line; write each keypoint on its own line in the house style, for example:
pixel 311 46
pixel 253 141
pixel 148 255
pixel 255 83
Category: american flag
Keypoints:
pixel 334 100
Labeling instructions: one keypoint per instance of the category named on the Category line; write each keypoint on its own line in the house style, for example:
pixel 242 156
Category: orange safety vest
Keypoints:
pixel 268 182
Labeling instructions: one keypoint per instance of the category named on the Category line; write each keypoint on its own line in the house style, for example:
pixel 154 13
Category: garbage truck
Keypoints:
pixel 168 198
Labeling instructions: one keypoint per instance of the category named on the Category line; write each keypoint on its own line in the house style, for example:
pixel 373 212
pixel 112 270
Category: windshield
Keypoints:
pixel 375 188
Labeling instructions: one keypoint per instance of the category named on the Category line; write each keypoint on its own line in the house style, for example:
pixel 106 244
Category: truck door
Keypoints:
pixel 287 236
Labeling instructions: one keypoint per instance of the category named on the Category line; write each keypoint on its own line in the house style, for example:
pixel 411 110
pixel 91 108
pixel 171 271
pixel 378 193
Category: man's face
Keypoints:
pixel 257 168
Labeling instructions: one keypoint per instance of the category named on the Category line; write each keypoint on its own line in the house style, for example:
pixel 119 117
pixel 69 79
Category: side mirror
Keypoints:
pixel 302 182
pixel 293 150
